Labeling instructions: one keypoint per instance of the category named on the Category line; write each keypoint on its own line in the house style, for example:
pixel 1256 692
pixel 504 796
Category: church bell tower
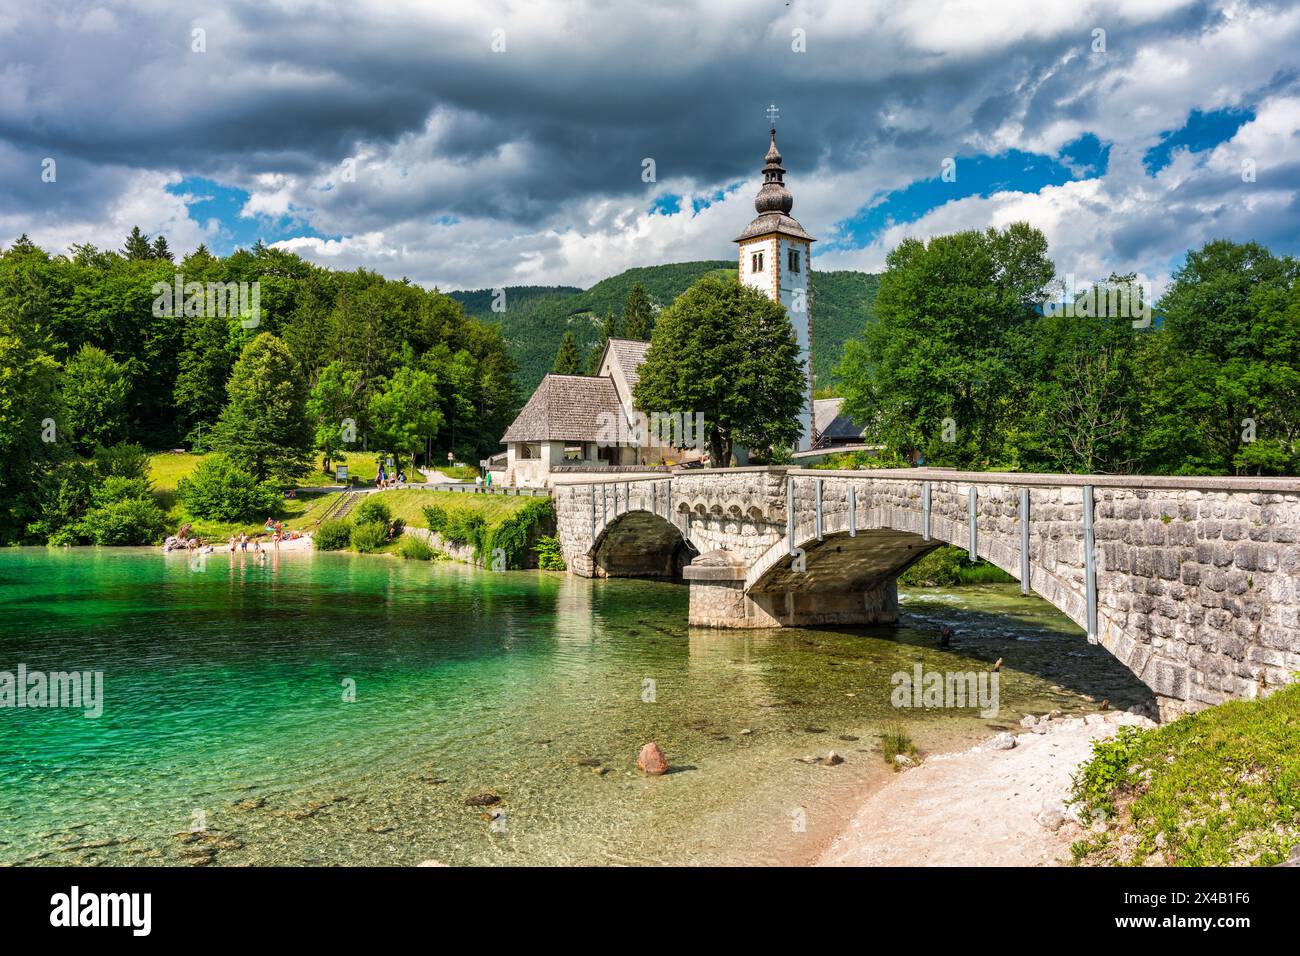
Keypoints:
pixel 776 259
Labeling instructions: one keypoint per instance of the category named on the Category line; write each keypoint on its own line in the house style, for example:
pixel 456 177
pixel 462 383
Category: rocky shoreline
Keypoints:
pixel 1000 803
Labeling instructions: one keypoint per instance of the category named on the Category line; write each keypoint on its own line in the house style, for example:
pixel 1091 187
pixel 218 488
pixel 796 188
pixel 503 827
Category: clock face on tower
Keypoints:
pixel 776 259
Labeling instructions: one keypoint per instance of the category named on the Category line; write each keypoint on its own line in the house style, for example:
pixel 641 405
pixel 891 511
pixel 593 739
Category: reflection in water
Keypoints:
pixel 225 697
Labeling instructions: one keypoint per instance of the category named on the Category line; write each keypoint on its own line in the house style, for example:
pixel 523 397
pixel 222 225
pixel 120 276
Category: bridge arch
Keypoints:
pixel 641 544
pixel 882 544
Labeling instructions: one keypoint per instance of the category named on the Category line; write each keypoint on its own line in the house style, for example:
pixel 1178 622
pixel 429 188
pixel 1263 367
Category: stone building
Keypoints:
pixel 582 423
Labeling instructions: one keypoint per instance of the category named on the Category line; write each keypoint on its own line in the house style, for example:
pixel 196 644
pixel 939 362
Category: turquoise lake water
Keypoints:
pixel 226 736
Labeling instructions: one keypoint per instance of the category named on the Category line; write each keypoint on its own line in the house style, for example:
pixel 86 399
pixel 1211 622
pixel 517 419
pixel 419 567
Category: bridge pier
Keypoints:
pixel 719 599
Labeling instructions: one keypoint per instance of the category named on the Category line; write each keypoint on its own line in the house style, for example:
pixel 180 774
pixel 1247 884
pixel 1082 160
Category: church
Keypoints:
pixel 560 427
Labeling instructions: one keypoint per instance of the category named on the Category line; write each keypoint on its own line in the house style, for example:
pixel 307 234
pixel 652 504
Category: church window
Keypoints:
pixel 756 262
pixel 794 260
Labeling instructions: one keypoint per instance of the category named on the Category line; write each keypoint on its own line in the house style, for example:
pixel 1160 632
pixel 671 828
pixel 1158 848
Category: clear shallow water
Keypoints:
pixel 224 694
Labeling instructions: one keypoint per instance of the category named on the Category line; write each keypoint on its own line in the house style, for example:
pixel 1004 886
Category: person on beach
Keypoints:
pixel 243 541
pixel 233 541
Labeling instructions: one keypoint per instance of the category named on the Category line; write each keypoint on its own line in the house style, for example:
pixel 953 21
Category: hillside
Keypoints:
pixel 536 317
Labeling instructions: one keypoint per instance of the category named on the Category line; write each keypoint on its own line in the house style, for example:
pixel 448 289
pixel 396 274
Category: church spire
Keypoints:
pixel 773 196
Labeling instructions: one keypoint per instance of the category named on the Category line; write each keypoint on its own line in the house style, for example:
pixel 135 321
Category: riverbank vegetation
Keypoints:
pixel 1220 787
pixel 502 532
pixel 948 566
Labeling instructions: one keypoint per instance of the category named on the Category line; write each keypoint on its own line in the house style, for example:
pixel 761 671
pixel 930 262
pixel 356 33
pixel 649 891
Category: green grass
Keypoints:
pixel 1217 788
pixel 408 504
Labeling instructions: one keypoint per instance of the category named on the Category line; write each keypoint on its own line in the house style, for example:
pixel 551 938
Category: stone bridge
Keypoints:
pixel 1192 583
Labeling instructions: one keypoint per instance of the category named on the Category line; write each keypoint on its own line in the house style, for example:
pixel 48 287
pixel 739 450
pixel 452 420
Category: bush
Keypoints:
pixel 416 549
pixel 549 555
pixel 368 536
pixel 435 517
pixel 220 490
pixel 373 509
pixel 133 519
pixel 465 527
pixel 332 535
pixel 513 535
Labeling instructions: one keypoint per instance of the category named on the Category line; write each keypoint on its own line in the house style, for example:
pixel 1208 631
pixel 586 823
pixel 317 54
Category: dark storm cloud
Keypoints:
pixel 292 89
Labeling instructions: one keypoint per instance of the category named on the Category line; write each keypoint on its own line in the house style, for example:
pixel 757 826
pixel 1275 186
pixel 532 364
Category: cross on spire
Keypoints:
pixel 772 113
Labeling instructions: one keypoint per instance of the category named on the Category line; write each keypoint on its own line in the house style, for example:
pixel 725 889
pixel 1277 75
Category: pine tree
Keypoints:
pixel 609 330
pixel 637 317
pixel 567 360
pixel 160 250
pixel 137 245
pixel 264 427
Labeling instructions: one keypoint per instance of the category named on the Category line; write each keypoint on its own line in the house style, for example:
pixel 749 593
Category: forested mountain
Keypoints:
pixel 535 318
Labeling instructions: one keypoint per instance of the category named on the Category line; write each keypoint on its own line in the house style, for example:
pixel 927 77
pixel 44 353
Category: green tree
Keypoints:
pixel 1085 406
pixel 334 410
pixel 159 250
pixel 728 352
pixel 264 427
pixel 608 330
pixel 220 490
pixel 406 412
pixel 943 370
pixel 1225 375
pixel 137 245
pixel 638 317
pixel 567 360
pixel 94 391
pixel 29 414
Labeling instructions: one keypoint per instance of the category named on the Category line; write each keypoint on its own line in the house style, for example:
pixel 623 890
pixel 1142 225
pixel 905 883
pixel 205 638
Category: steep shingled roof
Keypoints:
pixel 629 354
pixel 566 408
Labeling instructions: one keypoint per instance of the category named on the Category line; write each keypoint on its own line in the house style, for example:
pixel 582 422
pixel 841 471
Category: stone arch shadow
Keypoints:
pixel 641 544
pixel 888 541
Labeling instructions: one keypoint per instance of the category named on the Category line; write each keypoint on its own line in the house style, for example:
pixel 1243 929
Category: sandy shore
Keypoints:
pixel 981 807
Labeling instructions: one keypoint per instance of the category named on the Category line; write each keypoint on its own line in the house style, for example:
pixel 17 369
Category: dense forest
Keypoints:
pixel 330 360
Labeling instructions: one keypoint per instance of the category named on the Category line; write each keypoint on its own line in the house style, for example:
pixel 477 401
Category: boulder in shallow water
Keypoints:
pixel 651 760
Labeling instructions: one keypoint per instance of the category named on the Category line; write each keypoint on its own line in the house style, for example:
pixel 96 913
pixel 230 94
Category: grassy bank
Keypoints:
pixel 166 469
pixel 409 504
pixel 502 532
pixel 1218 788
